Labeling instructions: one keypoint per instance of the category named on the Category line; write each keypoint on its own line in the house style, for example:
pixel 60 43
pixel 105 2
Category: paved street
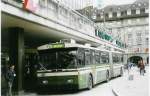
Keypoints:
pixel 45 42
pixel 136 87
pixel 103 89
pixel 120 86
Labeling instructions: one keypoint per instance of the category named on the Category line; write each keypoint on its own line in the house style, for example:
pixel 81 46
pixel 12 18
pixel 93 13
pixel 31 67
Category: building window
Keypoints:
pixel 136 49
pixel 147 41
pixel 142 10
pixel 133 11
pixel 129 43
pixel 42 3
pixel 52 6
pixel 106 15
pixel 114 14
pixel 129 36
pixel 146 32
pixel 139 38
pixel 139 34
pixel 124 13
pixel 146 50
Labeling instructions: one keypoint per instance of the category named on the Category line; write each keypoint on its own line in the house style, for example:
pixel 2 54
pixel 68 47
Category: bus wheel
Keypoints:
pixel 90 82
pixel 121 71
pixel 107 76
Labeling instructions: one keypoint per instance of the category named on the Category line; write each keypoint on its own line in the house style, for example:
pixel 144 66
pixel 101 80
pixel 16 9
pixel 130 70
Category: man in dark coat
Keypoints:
pixel 10 75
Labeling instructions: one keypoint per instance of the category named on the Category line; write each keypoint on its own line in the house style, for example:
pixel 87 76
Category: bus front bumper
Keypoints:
pixel 58 82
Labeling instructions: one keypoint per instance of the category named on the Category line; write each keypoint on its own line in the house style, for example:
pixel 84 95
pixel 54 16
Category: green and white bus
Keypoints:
pixel 75 66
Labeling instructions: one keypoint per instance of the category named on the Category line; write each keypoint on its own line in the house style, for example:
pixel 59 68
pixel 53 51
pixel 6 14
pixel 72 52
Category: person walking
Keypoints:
pixel 10 75
pixel 128 66
pixel 142 67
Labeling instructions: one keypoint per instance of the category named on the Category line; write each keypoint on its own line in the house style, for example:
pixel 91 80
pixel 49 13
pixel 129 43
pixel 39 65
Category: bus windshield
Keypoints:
pixel 60 58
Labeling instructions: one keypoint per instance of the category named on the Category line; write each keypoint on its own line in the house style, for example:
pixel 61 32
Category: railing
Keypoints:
pixel 56 12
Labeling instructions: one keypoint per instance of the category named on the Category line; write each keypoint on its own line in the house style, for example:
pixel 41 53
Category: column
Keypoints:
pixel 16 53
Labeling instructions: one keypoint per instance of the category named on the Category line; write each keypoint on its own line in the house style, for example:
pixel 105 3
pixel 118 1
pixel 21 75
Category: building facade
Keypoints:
pixel 129 24
pixel 77 4
pixel 29 24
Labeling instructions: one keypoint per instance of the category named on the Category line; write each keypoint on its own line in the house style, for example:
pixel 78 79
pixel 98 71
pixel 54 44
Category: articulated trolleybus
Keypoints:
pixel 76 66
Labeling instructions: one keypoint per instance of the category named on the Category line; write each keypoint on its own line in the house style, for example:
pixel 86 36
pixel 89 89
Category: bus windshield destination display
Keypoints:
pixel 60 45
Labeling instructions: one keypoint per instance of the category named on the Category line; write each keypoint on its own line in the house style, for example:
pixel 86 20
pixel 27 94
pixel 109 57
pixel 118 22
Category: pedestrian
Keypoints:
pixel 129 66
pixel 142 67
pixel 10 75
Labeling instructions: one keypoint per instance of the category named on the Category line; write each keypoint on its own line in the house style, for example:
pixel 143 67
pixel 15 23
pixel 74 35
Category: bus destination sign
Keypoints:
pixel 60 45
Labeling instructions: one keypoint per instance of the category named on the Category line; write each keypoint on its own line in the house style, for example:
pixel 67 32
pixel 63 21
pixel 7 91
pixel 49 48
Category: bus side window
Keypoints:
pixel 107 56
pixel 92 56
pixel 97 57
pixel 115 58
pixel 118 58
pixel 87 57
pixel 80 58
pixel 121 58
pixel 104 57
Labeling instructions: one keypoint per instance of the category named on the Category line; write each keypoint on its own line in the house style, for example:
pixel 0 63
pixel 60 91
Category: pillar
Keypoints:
pixel 16 53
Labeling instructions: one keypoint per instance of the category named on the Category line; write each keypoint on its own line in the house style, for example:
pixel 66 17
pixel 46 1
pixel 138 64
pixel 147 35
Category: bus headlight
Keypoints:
pixel 45 82
pixel 70 81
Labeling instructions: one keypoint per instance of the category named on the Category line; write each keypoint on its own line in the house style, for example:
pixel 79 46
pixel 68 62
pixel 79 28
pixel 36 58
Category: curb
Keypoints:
pixel 115 93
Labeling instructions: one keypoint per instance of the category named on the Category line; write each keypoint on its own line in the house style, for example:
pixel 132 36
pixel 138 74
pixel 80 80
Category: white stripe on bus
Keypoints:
pixel 85 71
pixel 117 67
pixel 102 69
pixel 57 74
pixel 80 71
pixel 90 70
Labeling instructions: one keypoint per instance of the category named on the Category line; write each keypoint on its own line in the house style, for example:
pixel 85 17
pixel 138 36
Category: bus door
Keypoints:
pixel 30 71
pixel 111 64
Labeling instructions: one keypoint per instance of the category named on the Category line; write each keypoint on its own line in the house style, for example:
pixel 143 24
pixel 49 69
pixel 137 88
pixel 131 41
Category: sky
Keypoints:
pixel 112 2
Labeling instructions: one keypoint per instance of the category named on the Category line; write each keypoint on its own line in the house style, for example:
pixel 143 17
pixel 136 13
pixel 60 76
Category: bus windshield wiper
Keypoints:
pixel 42 67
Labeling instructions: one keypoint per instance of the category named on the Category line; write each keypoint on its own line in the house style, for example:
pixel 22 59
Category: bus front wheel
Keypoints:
pixel 90 82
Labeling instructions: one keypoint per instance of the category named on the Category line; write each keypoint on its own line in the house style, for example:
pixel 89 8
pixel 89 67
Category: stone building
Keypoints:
pixel 128 24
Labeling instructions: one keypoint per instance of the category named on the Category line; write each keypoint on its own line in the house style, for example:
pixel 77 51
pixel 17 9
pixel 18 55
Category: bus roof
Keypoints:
pixel 70 45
